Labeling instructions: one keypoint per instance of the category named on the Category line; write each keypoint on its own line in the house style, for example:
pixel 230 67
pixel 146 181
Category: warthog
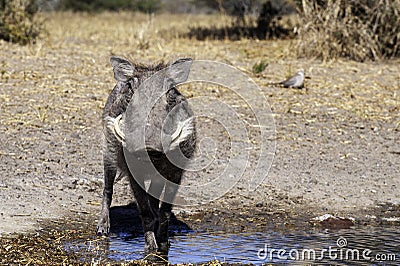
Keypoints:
pixel 139 142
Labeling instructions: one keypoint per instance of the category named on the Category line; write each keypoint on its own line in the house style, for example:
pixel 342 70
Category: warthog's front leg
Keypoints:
pixel 148 218
pixel 103 226
pixel 174 175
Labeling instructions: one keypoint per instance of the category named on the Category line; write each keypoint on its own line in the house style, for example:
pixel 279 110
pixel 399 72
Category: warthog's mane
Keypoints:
pixel 143 69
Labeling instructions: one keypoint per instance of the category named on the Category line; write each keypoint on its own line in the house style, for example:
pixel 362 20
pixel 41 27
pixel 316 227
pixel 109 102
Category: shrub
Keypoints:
pixel 358 30
pixel 259 66
pixel 268 25
pixel 255 19
pixel 18 22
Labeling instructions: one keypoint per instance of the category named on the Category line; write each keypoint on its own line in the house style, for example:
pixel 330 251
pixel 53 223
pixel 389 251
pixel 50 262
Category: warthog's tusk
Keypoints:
pixel 117 129
pixel 182 132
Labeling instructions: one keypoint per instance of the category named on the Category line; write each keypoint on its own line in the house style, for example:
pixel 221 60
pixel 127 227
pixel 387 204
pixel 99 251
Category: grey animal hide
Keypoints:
pixel 166 124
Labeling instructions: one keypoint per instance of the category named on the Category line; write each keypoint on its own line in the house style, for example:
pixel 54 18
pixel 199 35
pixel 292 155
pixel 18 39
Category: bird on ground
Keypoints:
pixel 295 81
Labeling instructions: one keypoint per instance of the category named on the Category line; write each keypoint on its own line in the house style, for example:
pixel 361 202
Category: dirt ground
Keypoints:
pixel 337 140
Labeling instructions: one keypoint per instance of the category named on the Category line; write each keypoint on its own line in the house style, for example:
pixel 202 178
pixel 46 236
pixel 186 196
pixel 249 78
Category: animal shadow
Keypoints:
pixel 125 220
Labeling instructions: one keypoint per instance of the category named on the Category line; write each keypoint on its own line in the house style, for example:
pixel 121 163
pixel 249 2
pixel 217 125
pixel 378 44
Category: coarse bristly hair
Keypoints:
pixel 118 101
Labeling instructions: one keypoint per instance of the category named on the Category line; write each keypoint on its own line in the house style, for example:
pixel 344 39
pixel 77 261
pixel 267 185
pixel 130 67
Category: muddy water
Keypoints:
pixel 356 246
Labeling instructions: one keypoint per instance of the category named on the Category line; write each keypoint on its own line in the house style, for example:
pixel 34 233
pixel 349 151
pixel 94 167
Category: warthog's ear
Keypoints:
pixel 178 72
pixel 123 69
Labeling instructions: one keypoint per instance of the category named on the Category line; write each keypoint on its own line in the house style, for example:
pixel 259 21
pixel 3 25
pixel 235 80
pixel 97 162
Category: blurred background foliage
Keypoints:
pixel 358 30
pixel 147 6
pixel 17 21
pixel 326 29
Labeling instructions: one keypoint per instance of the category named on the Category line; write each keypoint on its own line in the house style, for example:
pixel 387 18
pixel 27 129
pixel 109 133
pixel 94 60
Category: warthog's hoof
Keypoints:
pixel 103 227
pixel 163 248
pixel 150 244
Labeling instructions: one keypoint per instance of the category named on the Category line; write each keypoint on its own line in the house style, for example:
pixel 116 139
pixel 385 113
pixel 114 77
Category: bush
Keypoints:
pixel 254 19
pixel 358 30
pixel 268 25
pixel 18 22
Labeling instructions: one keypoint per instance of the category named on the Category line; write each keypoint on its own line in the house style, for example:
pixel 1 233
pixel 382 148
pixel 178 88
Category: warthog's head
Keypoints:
pixel 157 118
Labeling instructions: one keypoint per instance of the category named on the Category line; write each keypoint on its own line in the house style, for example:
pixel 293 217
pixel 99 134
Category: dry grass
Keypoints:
pixel 68 73
pixel 357 30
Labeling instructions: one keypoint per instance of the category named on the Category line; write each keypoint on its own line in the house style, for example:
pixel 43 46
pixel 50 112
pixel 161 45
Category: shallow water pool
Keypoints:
pixel 356 246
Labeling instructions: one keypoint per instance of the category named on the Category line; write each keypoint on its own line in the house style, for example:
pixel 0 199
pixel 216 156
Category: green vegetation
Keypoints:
pixel 18 23
pixel 259 66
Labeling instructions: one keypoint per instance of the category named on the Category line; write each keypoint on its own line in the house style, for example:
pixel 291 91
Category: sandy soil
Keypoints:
pixel 337 141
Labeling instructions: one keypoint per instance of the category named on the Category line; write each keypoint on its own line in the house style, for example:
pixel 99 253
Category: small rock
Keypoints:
pixel 391 220
pixel 332 222
pixel 75 135
pixel 90 189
